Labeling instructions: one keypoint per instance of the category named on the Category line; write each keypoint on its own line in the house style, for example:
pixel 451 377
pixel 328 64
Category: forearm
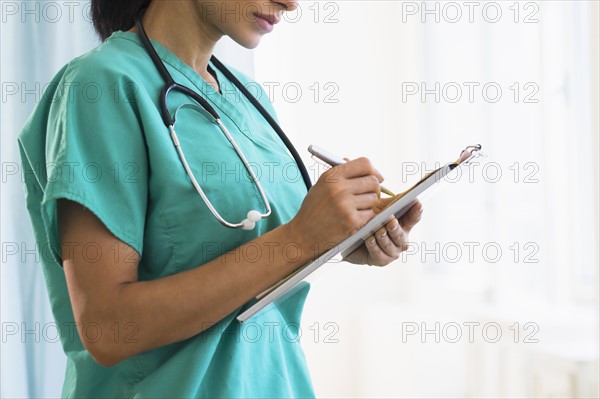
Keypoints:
pixel 154 313
pixel 179 306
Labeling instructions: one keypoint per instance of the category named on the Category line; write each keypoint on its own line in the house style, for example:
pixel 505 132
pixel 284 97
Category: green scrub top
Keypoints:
pixel 97 138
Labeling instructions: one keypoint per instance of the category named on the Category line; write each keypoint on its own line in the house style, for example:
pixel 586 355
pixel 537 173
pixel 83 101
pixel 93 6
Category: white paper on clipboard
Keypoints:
pixel 397 208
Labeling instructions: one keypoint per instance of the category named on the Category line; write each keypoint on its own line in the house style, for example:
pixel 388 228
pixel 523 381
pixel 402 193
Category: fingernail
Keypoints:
pixel 383 234
pixel 395 227
pixel 372 241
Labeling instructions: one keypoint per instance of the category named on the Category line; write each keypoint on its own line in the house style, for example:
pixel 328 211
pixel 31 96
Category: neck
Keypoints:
pixel 174 24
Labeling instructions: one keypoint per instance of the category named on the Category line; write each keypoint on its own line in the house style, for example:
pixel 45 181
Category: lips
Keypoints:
pixel 272 19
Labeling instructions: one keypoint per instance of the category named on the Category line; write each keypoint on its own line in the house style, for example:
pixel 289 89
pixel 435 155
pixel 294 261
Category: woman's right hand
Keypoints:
pixel 339 204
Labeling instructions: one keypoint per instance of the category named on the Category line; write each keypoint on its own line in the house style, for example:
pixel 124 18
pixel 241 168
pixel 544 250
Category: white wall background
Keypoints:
pixel 541 212
pixel 354 62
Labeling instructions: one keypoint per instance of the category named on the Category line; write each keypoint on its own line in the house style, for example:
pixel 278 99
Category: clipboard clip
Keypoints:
pixel 472 148
pixel 469 154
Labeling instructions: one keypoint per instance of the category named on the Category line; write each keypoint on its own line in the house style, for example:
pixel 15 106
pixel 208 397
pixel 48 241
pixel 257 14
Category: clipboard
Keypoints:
pixel 398 207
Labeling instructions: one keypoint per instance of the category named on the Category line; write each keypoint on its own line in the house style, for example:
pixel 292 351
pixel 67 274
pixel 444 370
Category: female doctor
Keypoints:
pixel 144 278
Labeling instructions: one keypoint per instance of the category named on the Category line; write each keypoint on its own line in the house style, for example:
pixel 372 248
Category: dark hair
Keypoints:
pixel 109 16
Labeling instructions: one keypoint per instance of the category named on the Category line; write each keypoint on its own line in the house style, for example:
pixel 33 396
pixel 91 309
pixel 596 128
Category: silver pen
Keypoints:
pixel 334 160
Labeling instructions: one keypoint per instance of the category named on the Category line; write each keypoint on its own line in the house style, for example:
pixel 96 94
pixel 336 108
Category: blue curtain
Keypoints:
pixel 37 39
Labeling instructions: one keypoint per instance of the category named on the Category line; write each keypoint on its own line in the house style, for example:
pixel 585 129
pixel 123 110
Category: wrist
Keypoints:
pixel 298 241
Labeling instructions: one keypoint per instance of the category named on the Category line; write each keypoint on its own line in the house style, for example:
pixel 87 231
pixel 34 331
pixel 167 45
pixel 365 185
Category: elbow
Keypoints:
pixel 102 357
pixel 106 354
pixel 99 340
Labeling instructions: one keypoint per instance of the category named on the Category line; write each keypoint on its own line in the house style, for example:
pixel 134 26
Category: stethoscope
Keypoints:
pixel 253 216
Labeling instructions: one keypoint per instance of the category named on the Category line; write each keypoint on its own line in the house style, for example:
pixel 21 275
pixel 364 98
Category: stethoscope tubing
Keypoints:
pixel 171 85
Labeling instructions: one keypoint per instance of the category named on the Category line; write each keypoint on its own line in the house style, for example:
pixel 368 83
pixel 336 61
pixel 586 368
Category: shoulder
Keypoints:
pixel 94 92
pixel 117 56
pixel 115 63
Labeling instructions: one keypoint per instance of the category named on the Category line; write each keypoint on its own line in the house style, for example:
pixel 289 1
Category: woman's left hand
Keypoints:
pixel 388 242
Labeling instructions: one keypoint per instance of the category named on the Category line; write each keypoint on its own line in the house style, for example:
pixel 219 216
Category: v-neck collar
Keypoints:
pixel 225 107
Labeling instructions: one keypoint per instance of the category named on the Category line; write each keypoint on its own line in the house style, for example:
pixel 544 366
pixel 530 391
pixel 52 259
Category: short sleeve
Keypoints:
pixel 96 155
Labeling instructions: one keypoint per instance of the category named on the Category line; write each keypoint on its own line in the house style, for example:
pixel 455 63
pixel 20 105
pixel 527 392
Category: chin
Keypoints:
pixel 250 41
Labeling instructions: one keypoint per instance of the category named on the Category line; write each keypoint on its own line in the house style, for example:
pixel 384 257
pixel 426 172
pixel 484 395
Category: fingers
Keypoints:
pixel 365 191
pixel 366 184
pixel 365 201
pixel 377 256
pixel 358 168
pixel 392 238
pixel 386 244
pixel 412 217
pixel 390 241
pixel 397 235
pixel 355 177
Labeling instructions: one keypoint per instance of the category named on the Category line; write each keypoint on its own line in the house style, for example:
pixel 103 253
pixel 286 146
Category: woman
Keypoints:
pixel 144 282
